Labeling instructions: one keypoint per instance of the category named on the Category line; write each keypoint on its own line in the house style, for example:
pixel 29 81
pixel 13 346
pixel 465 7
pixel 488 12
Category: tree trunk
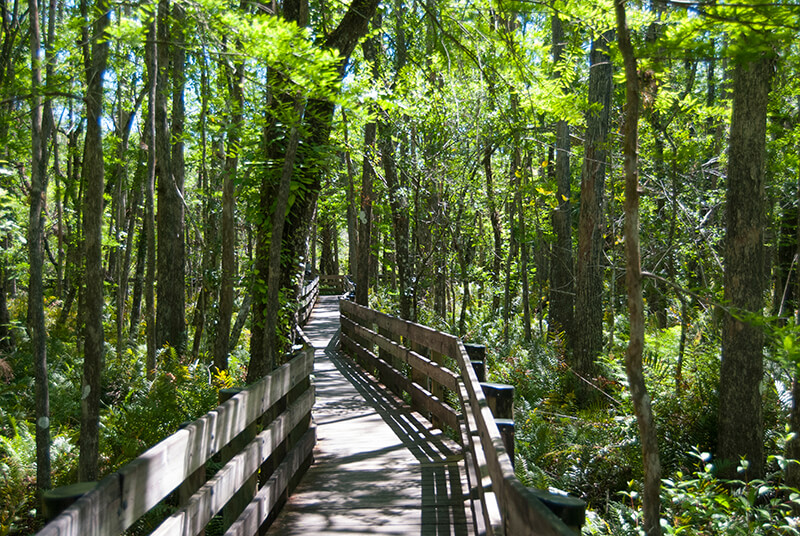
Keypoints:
pixel 741 429
pixel 793 445
pixel 651 496
pixel 370 49
pixel 241 318
pixel 211 242
pixel 588 332
pixel 169 172
pixel 93 174
pixel 151 58
pixel 398 203
pixel 494 218
pixel 138 282
pixel 260 365
pixel 36 236
pixel 562 289
pixel 221 342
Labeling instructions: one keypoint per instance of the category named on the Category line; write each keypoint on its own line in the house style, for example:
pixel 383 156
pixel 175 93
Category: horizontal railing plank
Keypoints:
pixel 268 496
pixel 416 333
pixel 437 373
pixel 211 497
pixel 123 497
pixel 421 399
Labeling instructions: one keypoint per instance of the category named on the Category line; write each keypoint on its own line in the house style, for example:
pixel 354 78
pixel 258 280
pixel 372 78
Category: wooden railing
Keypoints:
pixel 387 346
pixel 337 284
pixel 279 405
pixel 308 297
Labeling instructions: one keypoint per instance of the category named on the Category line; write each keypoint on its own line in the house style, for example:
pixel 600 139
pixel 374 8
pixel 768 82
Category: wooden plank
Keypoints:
pixel 123 497
pixel 370 362
pixel 437 373
pixel 211 497
pixel 267 497
pixel 421 399
pixel 482 483
pixel 522 512
pixel 424 400
pixel 417 333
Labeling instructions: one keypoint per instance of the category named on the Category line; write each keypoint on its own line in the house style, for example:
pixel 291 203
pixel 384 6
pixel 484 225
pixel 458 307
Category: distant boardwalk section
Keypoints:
pixel 379 468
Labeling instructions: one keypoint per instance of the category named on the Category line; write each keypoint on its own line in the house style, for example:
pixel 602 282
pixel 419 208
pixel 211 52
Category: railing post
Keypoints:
pixel 55 501
pixel 192 483
pixel 500 397
pixel 477 357
pixel 571 510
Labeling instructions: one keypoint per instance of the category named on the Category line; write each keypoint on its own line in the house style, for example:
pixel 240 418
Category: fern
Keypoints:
pixel 17 470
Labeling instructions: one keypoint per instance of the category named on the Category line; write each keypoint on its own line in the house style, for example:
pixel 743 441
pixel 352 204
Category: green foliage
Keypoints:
pixel 18 473
pixel 148 411
pixel 696 502
pixel 699 502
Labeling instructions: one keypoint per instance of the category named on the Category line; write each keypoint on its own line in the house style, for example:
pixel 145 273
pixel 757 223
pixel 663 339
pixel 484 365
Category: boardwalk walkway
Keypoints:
pixel 379 468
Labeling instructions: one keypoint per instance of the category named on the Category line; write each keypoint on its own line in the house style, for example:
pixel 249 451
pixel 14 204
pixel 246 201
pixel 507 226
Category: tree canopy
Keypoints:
pixel 605 194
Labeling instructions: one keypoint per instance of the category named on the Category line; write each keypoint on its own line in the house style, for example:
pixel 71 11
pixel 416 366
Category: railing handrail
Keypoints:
pixel 307 299
pixel 121 498
pixel 507 506
pixel 343 282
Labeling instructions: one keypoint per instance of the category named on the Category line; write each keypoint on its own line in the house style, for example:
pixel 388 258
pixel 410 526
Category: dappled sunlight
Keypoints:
pixel 379 468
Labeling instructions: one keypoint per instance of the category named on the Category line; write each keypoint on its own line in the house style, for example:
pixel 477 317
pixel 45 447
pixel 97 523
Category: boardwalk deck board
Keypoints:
pixel 379 468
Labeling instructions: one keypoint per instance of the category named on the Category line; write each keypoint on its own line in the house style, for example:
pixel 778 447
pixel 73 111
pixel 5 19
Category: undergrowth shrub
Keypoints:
pixel 696 502
pixel 18 474
pixel 148 411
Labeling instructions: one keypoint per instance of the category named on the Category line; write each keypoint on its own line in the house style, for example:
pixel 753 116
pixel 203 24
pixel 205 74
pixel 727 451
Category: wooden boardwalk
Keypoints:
pixel 379 468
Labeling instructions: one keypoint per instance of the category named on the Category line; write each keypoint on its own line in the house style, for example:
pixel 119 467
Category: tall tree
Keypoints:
pixel 588 329
pixel 95 58
pixel 562 284
pixel 170 324
pixel 651 497
pixel 741 425
pixel 235 80
pixel 149 234
pixel 36 236
pixel 370 48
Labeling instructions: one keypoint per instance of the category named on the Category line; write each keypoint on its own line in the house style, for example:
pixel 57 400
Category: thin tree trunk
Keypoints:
pixel 208 262
pixel 398 202
pixel 235 82
pixel 93 172
pixel 370 48
pixel 561 274
pixel 151 58
pixel 793 445
pixel 241 318
pixel 170 326
pixel 38 197
pixel 494 218
pixel 138 283
pixel 651 496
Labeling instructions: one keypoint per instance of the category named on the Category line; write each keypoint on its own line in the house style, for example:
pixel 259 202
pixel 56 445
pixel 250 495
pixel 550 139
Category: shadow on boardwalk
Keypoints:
pixel 379 467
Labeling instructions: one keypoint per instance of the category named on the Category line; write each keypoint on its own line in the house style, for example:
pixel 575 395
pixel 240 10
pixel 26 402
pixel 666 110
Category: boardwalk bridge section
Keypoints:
pixel 376 425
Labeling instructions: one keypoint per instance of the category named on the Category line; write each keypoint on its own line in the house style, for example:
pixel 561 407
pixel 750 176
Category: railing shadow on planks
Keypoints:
pixel 412 360
pixel 262 434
